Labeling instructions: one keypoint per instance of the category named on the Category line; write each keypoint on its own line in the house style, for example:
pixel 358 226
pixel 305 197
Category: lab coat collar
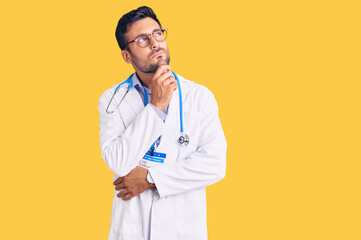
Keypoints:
pixel 136 80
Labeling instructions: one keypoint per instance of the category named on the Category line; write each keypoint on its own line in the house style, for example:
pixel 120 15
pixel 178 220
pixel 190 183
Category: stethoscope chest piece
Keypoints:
pixel 183 139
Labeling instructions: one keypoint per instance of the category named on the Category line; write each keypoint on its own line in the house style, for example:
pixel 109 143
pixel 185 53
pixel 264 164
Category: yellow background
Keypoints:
pixel 286 75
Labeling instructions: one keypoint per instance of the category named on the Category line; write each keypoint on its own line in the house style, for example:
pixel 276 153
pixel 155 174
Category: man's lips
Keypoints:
pixel 157 54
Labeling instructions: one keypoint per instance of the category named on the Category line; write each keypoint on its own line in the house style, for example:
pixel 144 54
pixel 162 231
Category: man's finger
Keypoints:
pixel 128 197
pixel 173 85
pixel 122 193
pixel 119 186
pixel 118 180
pixel 165 77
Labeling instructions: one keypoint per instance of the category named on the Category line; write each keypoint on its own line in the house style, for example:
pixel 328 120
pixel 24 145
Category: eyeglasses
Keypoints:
pixel 143 40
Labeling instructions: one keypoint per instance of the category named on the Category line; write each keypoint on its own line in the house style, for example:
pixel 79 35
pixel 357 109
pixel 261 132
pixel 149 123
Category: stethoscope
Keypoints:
pixel 184 138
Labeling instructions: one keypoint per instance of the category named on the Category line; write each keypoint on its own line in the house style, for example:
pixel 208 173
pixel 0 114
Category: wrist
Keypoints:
pixel 158 105
pixel 151 181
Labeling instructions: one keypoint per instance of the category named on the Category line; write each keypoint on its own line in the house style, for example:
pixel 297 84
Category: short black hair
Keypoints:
pixel 127 19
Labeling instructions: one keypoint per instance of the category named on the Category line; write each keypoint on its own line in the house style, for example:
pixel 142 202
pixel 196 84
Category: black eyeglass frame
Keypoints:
pixel 148 35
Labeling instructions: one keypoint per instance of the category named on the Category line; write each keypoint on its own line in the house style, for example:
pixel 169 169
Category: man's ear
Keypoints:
pixel 126 56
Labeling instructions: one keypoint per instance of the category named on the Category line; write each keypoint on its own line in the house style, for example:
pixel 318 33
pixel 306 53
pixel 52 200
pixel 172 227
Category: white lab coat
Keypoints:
pixel 177 209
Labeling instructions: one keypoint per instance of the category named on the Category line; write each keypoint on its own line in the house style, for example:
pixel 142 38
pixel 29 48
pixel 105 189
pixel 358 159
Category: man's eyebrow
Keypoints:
pixel 144 34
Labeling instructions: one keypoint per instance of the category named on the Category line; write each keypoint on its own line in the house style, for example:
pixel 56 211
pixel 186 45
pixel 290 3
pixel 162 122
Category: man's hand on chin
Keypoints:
pixel 132 184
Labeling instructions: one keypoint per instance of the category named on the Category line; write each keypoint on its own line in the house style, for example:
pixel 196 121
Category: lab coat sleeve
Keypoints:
pixel 202 168
pixel 123 147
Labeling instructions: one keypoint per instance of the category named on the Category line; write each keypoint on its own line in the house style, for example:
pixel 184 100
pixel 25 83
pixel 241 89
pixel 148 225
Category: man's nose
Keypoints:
pixel 153 43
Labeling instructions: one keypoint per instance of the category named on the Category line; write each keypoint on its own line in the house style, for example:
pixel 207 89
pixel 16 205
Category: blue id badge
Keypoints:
pixel 157 157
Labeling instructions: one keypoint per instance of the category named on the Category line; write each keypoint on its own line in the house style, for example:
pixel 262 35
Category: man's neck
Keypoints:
pixel 145 78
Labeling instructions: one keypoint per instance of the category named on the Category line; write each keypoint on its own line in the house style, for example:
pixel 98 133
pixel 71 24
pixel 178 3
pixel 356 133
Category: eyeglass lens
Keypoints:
pixel 159 35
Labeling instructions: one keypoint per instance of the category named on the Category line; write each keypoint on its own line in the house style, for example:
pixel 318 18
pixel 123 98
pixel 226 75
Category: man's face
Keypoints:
pixel 146 59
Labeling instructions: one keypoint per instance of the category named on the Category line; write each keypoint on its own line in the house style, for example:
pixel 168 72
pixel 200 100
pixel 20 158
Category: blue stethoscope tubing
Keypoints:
pixel 184 139
pixel 130 85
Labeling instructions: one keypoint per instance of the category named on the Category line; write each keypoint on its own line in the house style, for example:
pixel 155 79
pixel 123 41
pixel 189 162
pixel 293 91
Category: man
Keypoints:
pixel 159 180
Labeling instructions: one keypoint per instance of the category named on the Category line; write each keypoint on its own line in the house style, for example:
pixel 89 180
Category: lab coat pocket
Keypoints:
pixel 191 213
pixel 126 216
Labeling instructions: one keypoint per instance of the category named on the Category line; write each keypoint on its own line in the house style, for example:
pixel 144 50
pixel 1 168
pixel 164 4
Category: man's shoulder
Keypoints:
pixel 108 93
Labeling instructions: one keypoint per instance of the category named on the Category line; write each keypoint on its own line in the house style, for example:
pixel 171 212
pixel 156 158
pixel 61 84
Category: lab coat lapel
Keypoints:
pixel 172 124
pixel 134 100
pixel 133 104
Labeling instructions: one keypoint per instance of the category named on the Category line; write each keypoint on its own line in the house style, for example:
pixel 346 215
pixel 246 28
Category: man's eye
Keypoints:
pixel 142 39
pixel 158 33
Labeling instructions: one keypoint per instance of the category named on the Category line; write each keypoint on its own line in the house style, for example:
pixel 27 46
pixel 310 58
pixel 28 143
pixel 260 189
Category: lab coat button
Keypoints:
pixel 156 196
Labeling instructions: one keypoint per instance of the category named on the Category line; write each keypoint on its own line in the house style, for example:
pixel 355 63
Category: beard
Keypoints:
pixel 144 65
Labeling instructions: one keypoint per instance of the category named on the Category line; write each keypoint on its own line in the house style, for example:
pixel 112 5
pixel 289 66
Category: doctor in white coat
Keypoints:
pixel 164 197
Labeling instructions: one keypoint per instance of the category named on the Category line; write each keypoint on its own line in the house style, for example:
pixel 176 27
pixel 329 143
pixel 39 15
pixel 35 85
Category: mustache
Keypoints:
pixel 157 50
